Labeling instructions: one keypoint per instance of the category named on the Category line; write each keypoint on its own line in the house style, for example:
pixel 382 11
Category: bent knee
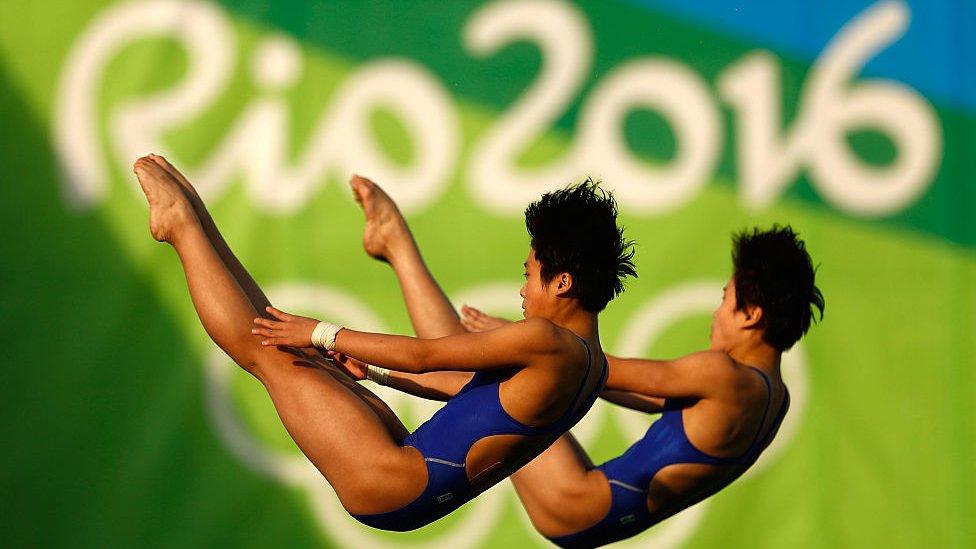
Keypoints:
pixel 381 486
pixel 567 507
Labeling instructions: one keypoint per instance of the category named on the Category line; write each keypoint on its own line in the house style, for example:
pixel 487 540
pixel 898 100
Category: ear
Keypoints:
pixel 751 315
pixel 563 283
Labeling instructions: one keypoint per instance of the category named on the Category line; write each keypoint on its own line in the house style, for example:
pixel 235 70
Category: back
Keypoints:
pixel 472 443
pixel 670 463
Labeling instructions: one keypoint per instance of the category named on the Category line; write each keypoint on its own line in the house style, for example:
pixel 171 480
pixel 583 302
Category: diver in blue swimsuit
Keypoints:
pixel 526 383
pixel 445 440
pixel 721 407
pixel 520 387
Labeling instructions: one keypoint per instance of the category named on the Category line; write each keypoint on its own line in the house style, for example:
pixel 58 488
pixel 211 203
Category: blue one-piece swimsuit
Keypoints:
pixel 445 439
pixel 665 443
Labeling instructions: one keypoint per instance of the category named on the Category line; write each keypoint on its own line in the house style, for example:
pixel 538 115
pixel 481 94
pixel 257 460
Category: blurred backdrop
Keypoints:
pixel 853 121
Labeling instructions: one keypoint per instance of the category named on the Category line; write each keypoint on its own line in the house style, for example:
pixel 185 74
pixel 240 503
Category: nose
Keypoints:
pixel 522 291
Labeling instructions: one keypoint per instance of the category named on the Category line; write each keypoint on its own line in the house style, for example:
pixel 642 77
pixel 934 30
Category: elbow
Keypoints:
pixel 419 357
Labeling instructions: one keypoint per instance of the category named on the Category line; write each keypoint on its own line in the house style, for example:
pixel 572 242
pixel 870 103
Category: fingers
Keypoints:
pixel 468 310
pixel 269 329
pixel 264 322
pixel 471 325
pixel 272 340
pixel 472 315
pixel 279 314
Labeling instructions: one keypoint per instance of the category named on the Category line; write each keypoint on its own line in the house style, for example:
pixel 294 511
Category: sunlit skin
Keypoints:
pixel 347 432
pixel 537 294
pixel 725 401
pixel 734 331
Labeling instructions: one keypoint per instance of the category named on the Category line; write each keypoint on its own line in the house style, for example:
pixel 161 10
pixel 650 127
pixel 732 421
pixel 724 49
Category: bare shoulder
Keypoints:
pixel 710 359
pixel 724 372
pixel 540 327
pixel 543 335
pixel 714 364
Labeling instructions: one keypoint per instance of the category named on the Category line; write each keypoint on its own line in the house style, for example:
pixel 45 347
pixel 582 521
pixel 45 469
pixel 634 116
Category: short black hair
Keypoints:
pixel 772 270
pixel 574 230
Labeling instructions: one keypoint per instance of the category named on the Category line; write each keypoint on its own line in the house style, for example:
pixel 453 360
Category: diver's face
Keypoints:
pixel 725 321
pixel 533 292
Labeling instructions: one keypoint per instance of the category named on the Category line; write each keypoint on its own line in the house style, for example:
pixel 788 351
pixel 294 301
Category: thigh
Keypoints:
pixel 560 489
pixel 343 436
pixel 382 410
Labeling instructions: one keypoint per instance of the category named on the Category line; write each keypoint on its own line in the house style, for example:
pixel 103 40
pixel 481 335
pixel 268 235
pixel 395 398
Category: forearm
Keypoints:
pixel 431 312
pixel 519 344
pixel 432 385
pixel 634 401
pixel 633 375
pixel 399 353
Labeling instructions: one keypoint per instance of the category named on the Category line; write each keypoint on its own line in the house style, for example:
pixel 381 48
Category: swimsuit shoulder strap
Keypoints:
pixel 779 418
pixel 769 401
pixel 586 376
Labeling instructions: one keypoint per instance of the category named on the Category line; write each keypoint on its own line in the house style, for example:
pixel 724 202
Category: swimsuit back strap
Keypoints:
pixel 779 418
pixel 769 401
pixel 579 392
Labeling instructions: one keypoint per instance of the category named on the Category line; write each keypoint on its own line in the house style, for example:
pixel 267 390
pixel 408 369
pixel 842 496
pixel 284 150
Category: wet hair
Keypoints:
pixel 772 270
pixel 574 230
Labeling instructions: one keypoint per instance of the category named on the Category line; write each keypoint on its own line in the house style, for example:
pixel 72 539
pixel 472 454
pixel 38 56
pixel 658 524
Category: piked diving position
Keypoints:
pixel 721 407
pixel 526 382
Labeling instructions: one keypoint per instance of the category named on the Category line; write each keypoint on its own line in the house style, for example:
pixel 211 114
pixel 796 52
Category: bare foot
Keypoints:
pixel 191 192
pixel 169 208
pixel 385 229
pixel 474 320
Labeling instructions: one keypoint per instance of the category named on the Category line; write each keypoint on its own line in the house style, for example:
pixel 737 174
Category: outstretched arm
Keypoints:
pixel 526 343
pixel 432 385
pixel 702 374
pixel 639 384
pixel 634 401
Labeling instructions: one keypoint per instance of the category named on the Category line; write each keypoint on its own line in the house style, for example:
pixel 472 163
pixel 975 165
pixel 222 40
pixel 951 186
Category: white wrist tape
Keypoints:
pixel 377 374
pixel 324 335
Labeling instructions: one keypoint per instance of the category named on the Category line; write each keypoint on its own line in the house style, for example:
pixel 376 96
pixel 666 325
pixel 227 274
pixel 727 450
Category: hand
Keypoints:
pixel 474 320
pixel 292 330
pixel 354 368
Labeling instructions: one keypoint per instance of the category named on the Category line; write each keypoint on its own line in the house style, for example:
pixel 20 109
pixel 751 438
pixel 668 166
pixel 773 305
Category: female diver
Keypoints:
pixel 529 381
pixel 721 407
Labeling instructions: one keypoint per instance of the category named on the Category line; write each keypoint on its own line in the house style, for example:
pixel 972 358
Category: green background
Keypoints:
pixel 108 440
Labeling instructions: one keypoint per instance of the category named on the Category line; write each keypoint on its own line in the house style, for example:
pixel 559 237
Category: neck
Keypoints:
pixel 581 322
pixel 758 354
